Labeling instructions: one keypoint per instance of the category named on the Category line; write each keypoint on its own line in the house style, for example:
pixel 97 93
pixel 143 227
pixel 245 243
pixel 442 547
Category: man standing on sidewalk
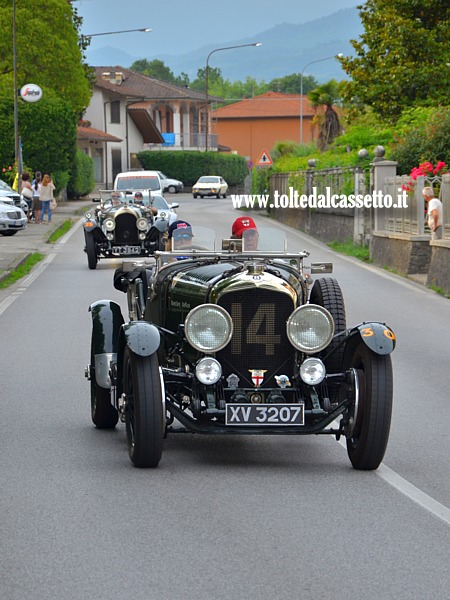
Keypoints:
pixel 434 212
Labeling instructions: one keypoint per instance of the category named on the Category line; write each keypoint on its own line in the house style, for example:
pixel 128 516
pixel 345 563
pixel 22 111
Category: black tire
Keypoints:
pixel 104 415
pixel 91 251
pixel 369 434
pixel 225 195
pixel 144 409
pixel 326 292
pixel 218 196
pixel 195 195
pixel 171 189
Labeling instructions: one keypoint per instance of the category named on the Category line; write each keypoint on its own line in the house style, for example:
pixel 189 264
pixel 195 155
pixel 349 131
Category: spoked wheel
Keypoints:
pixel 144 409
pixel 91 251
pixel 368 431
pixel 103 413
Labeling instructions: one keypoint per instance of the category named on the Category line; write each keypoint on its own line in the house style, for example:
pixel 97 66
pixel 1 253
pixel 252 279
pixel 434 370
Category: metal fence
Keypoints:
pixel 411 220
pixel 340 180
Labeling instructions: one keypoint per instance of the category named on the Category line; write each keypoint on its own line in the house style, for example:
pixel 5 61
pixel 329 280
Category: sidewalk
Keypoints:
pixel 14 250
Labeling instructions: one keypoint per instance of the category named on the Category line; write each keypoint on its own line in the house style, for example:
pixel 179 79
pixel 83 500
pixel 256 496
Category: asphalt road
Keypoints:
pixel 225 518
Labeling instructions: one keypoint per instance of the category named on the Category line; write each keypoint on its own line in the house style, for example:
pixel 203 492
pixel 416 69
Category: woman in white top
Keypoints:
pixel 36 205
pixel 47 189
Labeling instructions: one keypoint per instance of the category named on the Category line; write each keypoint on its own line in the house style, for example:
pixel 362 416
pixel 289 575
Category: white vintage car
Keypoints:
pixel 210 185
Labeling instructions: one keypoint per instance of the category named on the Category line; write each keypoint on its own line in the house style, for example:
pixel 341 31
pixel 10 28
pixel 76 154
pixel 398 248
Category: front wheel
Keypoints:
pixel 91 251
pixel 195 195
pixel 171 189
pixel 368 431
pixel 144 418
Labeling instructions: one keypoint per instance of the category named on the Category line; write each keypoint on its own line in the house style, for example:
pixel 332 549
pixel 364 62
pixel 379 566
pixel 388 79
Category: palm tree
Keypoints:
pixel 326 95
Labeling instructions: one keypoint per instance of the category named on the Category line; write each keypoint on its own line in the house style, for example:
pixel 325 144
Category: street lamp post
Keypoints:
pixel 301 88
pixel 207 83
pixel 91 35
pixel 16 105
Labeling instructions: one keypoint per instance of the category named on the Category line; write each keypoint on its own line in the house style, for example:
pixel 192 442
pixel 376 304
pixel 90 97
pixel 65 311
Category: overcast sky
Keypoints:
pixel 182 25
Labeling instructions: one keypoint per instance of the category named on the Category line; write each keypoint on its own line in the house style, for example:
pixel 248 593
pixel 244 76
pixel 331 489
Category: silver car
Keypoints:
pixel 12 218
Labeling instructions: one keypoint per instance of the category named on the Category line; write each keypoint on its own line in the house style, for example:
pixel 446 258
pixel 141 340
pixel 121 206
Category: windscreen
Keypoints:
pixel 138 182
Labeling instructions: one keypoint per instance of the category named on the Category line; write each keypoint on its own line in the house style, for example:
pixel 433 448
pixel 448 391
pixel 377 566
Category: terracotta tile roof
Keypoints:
pixel 270 104
pixel 91 134
pixel 132 84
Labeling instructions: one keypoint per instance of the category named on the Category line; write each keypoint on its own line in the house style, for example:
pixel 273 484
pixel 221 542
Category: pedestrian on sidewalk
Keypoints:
pixel 36 205
pixel 47 189
pixel 434 212
pixel 27 192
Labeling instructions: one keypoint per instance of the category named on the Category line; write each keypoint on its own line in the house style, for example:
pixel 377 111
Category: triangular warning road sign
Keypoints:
pixel 264 159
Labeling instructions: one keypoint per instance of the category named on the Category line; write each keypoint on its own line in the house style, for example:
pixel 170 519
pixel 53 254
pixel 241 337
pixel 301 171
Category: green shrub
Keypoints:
pixel 81 180
pixel 423 135
pixel 188 166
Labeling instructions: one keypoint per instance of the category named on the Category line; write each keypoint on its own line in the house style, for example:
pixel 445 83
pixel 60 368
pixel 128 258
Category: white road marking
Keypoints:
pixel 411 491
pixel 38 270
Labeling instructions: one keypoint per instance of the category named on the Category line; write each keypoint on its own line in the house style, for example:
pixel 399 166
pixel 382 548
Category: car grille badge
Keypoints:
pixel 233 380
pixel 257 376
pixel 282 381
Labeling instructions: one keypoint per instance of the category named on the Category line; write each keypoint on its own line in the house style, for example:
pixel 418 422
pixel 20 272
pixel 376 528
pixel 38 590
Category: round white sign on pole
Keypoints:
pixel 31 92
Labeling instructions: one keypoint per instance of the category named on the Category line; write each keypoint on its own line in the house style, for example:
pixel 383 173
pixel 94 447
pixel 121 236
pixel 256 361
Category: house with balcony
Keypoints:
pixel 253 125
pixel 130 112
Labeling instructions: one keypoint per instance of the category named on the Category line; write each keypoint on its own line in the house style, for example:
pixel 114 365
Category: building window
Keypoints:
pixel 115 111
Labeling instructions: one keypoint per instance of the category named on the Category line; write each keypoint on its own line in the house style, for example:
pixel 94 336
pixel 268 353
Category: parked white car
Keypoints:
pixel 173 186
pixel 210 185
pixel 12 218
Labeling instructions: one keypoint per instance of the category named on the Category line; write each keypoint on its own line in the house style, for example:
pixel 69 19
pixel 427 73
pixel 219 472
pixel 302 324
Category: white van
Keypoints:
pixel 138 180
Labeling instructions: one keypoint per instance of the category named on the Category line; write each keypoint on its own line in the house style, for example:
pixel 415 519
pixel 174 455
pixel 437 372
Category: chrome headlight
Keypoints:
pixel 142 224
pixel 208 328
pixel 208 371
pixel 109 224
pixel 312 371
pixel 310 328
pixel 162 215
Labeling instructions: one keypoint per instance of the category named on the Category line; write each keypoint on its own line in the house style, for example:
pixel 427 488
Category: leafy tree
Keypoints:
pixel 326 95
pixel 290 84
pixel 154 68
pixel 401 58
pixel 47 48
pixel 50 54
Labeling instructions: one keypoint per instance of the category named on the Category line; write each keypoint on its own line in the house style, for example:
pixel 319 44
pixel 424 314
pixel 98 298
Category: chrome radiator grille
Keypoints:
pixel 259 338
pixel 126 230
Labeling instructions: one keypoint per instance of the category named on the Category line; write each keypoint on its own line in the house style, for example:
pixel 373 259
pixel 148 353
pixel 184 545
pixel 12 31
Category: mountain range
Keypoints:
pixel 286 49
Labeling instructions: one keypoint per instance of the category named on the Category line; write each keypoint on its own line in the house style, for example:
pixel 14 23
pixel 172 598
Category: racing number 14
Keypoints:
pixel 260 330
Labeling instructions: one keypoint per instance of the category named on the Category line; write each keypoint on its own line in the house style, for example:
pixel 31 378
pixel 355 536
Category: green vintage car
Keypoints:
pixel 235 341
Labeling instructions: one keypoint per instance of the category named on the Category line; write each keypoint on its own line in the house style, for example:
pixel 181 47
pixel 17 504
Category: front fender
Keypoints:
pixel 378 337
pixel 107 322
pixel 142 338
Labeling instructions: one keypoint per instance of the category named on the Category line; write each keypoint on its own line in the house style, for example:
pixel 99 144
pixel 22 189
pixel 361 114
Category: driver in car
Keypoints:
pixel 179 236
pixel 244 228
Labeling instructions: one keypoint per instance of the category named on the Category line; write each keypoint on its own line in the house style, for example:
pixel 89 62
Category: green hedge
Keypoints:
pixel 81 180
pixel 188 166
